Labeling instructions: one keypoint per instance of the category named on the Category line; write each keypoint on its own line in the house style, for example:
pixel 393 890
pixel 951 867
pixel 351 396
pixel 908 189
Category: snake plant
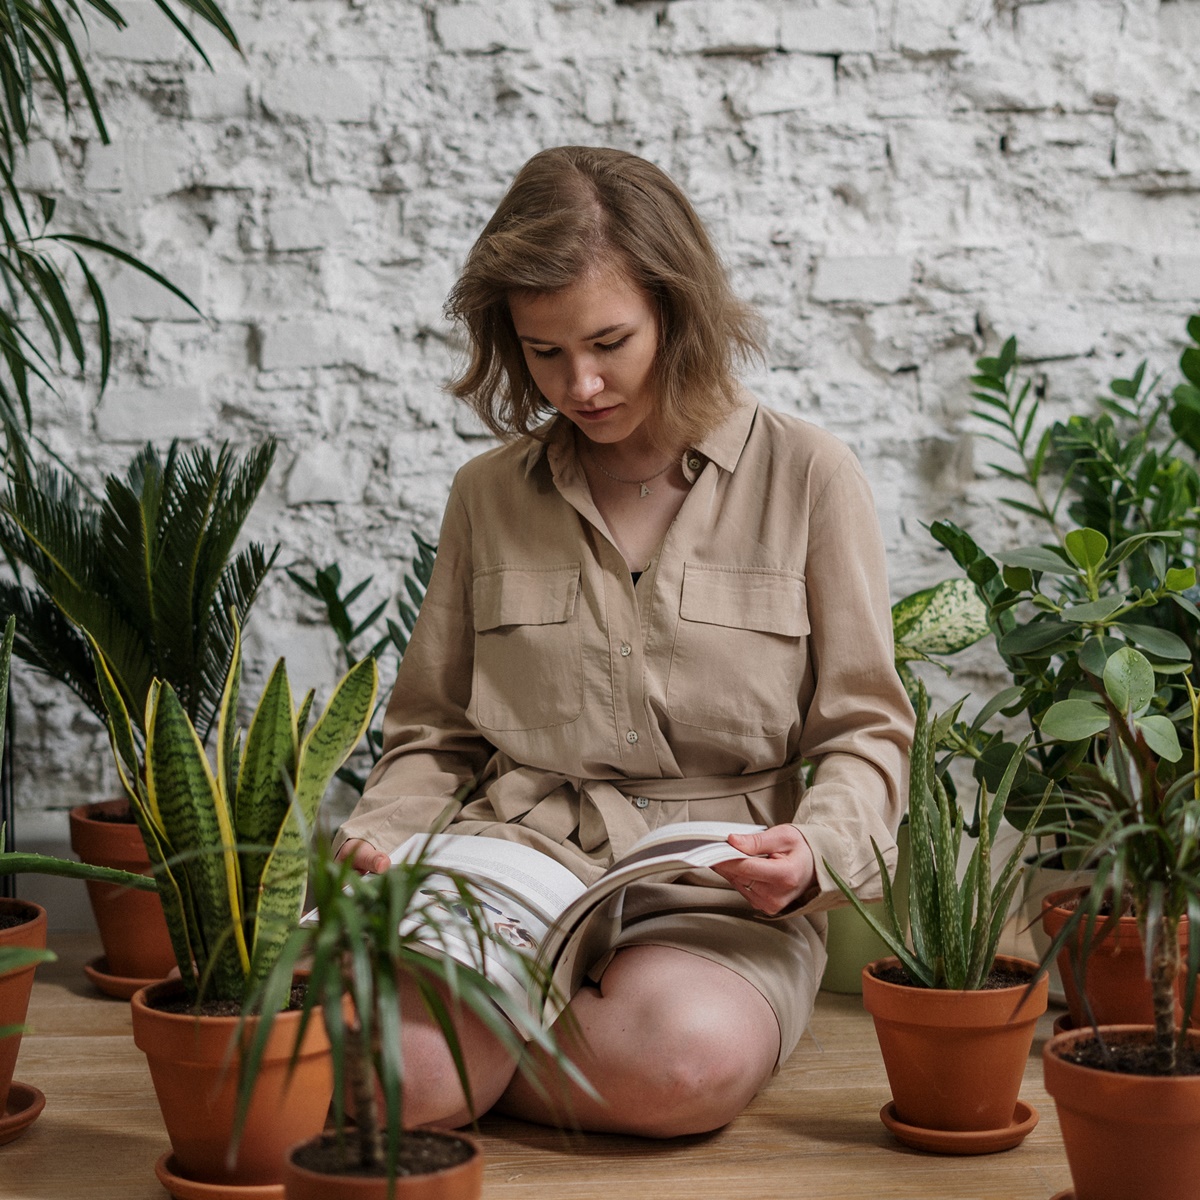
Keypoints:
pixel 228 845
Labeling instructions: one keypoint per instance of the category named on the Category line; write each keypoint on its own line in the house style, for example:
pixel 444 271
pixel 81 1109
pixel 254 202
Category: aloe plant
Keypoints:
pixel 228 845
pixel 148 573
pixel 955 923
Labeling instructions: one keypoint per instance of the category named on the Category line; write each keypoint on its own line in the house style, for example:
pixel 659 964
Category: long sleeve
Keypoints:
pixel 859 723
pixel 430 748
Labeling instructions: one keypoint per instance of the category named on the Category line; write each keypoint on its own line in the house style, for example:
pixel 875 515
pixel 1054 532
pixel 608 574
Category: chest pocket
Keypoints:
pixel 528 670
pixel 740 650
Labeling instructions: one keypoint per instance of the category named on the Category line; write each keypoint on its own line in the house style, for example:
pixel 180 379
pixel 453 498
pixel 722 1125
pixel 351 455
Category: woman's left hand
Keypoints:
pixel 780 869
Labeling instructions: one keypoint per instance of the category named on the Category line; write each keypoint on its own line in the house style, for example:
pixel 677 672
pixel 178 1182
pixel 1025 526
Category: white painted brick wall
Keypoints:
pixel 897 184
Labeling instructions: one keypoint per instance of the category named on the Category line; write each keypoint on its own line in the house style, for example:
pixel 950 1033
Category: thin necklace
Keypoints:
pixel 639 483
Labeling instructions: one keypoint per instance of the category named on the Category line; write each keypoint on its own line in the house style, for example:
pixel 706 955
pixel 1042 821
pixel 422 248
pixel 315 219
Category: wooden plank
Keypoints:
pixel 813 1131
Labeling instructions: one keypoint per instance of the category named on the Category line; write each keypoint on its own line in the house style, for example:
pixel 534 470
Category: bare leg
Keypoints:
pixel 673 1043
pixel 433 1094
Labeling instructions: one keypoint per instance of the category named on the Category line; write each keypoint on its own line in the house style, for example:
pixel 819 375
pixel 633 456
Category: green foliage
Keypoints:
pixel 955 924
pixel 147 572
pixel 1121 577
pixel 325 587
pixel 229 846
pixel 40 60
pixel 373 936
pixel 1144 844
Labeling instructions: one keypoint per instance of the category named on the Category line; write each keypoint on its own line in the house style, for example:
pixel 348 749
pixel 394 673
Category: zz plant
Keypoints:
pixel 955 922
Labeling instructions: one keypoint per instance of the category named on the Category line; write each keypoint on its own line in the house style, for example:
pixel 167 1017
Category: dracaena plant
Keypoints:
pixel 365 940
pixel 1145 838
pixel 228 844
pixel 148 573
pixel 955 922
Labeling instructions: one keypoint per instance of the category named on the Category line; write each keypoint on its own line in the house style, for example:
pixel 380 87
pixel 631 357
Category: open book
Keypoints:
pixel 543 910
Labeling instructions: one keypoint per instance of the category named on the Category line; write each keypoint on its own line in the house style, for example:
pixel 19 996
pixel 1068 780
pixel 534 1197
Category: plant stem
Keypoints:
pixel 1164 972
pixel 361 1079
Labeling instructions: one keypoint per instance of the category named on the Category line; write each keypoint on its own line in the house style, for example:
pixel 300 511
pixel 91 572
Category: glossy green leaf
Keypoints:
pixel 1129 681
pixel 1037 558
pixel 1071 720
pixel 1095 611
pixel 1161 737
pixel 1180 579
pixel 1087 548
pixel 1162 643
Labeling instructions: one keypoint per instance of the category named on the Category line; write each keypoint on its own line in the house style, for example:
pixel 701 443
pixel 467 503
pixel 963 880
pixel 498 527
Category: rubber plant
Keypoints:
pixel 366 937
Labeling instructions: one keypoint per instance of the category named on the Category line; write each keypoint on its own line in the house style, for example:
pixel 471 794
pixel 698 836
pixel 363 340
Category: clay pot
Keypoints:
pixel 1128 1137
pixel 195 1079
pixel 461 1182
pixel 954 1059
pixel 1115 978
pixel 132 927
pixel 16 986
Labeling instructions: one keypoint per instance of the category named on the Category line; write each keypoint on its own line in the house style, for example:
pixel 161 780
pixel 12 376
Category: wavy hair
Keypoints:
pixel 569 209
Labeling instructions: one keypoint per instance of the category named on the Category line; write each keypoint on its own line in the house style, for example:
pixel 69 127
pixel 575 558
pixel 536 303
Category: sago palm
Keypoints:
pixel 148 571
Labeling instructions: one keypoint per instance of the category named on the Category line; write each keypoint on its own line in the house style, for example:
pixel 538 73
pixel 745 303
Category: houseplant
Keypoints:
pixel 1128 1097
pixel 148 571
pixel 22 947
pixel 228 853
pixel 371 937
pixel 954 1020
pixel 927 625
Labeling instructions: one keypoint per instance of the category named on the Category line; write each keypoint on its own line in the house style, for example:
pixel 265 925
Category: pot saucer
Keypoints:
pixel 953 1141
pixel 183 1188
pixel 25 1104
pixel 117 986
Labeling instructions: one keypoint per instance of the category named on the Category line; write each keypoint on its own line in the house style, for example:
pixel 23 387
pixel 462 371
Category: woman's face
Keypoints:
pixel 590 349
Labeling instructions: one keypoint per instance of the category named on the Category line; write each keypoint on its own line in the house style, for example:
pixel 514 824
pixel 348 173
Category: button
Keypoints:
pixel 626 650
pixel 693 463
pixel 631 736
pixel 641 802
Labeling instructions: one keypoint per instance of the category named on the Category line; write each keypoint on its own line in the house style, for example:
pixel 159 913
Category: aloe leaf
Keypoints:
pixel 200 830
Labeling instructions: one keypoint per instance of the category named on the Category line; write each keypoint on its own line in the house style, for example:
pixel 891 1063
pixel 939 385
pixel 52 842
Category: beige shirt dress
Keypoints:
pixel 592 709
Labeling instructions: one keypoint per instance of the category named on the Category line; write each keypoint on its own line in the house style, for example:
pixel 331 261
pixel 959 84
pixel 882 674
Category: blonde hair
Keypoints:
pixel 568 210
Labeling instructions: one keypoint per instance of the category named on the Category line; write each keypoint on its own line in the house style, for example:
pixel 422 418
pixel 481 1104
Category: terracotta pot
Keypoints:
pixel 461 1182
pixel 1128 1137
pixel 195 1079
pixel 954 1059
pixel 1115 979
pixel 16 986
pixel 132 927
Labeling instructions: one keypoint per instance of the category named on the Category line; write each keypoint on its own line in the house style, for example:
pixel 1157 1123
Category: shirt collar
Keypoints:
pixel 723 445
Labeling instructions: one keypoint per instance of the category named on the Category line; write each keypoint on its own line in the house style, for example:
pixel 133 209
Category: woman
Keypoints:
pixel 651 608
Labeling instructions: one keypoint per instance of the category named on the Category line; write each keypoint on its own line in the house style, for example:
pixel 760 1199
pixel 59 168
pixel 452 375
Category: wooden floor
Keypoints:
pixel 814 1131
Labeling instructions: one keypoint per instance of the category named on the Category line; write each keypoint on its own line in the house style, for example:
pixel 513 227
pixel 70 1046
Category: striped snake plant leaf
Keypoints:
pixel 326 747
pixel 227 730
pixel 193 812
pixel 268 766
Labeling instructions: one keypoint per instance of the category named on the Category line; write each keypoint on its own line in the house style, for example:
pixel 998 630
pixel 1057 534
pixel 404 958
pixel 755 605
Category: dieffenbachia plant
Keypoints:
pixel 229 846
pixel 938 620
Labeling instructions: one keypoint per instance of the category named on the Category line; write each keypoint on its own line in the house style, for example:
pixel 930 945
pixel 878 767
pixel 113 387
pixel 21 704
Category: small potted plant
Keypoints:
pixel 1128 1097
pixel 148 571
pixel 954 1020
pixel 228 848
pixel 22 947
pixel 366 940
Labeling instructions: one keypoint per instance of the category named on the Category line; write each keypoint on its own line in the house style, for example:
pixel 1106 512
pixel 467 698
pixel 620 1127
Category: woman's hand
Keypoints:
pixel 780 869
pixel 365 859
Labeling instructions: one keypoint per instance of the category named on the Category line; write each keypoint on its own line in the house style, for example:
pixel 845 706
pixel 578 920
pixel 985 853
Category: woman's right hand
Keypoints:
pixel 365 859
